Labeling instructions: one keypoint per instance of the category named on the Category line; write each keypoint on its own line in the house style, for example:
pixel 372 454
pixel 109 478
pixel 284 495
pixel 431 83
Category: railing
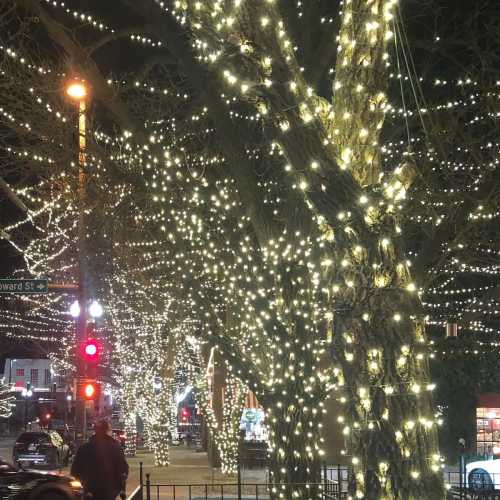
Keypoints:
pixel 334 486
pixel 340 475
pixel 328 490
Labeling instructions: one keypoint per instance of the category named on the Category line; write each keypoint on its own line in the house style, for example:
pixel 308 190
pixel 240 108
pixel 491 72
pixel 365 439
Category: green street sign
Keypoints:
pixel 25 286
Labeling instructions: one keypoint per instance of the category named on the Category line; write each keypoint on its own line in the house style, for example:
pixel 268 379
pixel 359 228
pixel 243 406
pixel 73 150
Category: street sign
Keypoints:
pixel 25 286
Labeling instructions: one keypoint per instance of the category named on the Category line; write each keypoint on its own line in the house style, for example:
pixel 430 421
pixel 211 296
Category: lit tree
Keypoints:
pixel 332 156
pixel 6 400
pixel 225 433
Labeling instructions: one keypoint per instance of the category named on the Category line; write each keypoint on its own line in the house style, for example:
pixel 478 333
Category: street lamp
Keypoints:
pixel 67 405
pixel 95 309
pixel 26 394
pixel 74 309
pixel 78 92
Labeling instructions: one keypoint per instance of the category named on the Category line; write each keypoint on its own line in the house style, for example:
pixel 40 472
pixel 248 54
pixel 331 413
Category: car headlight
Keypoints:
pixel 75 483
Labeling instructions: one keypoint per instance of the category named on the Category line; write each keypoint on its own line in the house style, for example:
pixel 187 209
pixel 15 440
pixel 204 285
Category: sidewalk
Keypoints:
pixel 189 467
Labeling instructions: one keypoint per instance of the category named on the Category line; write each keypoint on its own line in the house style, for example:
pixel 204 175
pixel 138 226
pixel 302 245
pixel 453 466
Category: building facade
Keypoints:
pixel 37 372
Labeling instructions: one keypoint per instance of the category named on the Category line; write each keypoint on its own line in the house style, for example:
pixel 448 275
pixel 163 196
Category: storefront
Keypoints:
pixel 252 423
pixel 488 424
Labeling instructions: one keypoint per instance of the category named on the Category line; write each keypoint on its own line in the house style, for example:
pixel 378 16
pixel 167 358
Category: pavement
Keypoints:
pixel 191 467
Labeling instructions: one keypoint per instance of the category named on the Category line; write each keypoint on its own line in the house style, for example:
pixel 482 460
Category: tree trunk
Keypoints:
pixel 160 426
pixel 295 464
pixel 224 432
pixel 159 441
pixel 130 434
pixel 390 428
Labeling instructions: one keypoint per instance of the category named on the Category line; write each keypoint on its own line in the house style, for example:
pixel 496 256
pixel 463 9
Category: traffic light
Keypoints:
pixel 89 390
pixel 91 350
pixel 185 414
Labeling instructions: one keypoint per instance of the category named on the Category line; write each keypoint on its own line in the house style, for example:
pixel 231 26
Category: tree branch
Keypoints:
pixel 431 253
pixel 101 90
pixel 111 37
pixel 12 196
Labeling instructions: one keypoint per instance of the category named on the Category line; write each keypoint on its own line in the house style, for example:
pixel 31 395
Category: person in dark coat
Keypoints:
pixel 100 465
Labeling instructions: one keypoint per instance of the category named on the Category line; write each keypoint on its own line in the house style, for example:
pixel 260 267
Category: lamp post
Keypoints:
pixel 77 91
pixel 26 394
pixel 67 404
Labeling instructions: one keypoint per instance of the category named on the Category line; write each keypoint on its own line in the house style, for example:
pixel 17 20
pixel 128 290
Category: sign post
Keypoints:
pixel 24 286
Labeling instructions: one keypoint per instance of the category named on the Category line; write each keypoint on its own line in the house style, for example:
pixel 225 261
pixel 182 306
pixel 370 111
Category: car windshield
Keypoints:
pixel 32 437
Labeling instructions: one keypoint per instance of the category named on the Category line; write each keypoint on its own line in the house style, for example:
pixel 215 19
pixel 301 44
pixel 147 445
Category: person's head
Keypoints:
pixel 102 428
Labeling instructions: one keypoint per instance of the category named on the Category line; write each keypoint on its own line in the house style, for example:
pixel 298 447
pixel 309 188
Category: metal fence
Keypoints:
pixel 327 490
pixel 333 486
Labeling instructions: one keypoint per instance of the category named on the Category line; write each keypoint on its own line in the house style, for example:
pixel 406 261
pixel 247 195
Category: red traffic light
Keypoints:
pixel 91 350
pixel 185 414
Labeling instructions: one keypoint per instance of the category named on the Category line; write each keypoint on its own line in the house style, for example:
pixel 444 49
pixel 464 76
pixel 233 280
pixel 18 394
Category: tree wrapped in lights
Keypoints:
pixel 332 156
pixel 6 400
pixel 155 412
pixel 225 433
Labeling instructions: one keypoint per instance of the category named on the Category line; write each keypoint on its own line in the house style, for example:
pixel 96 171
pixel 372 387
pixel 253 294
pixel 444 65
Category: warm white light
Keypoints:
pixel 77 91
pixel 179 398
pixel 95 309
pixel 74 309
pixel 27 393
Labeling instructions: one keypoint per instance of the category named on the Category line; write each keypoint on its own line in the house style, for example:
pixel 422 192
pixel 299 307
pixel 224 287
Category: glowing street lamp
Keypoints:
pixel 74 309
pixel 27 393
pixel 95 309
pixel 77 90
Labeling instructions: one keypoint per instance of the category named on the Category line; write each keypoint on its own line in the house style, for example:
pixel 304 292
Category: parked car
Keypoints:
pixel 46 449
pixel 20 484
pixel 483 475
